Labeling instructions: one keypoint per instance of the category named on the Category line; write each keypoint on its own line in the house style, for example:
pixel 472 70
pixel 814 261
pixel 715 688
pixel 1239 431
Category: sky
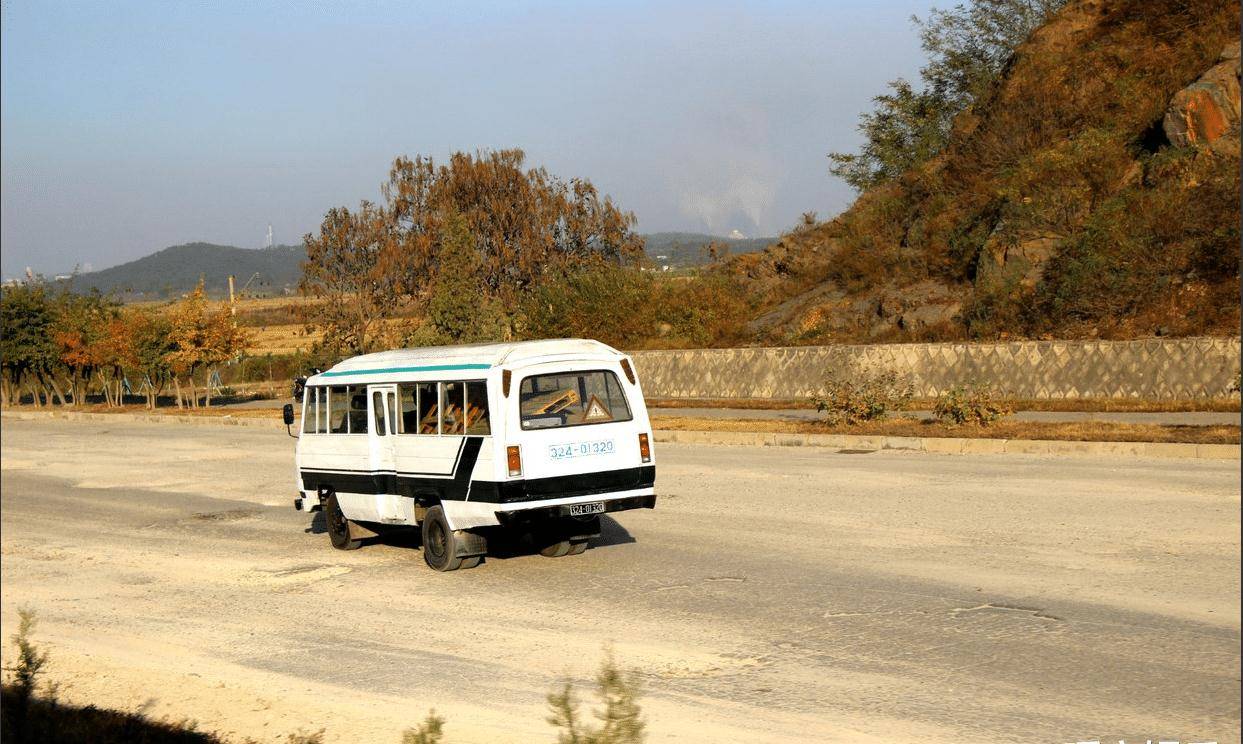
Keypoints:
pixel 127 127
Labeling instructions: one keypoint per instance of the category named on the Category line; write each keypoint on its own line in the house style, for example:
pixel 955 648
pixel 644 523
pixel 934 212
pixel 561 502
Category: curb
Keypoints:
pixel 952 446
pixel 928 445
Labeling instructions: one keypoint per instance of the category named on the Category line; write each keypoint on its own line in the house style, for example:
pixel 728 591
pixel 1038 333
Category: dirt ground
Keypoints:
pixel 773 595
pixel 1075 431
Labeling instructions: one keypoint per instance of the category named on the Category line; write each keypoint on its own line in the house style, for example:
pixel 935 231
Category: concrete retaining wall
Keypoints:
pixel 1155 369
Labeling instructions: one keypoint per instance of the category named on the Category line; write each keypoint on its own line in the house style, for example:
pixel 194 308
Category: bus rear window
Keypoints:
pixel 571 399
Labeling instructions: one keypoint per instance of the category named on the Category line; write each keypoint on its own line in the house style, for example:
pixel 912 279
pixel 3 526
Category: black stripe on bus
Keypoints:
pixel 452 487
pixel 460 487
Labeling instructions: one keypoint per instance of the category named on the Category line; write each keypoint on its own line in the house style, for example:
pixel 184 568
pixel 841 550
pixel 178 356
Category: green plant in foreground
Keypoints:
pixel 973 403
pixel 24 679
pixel 859 397
pixel 430 731
pixel 621 720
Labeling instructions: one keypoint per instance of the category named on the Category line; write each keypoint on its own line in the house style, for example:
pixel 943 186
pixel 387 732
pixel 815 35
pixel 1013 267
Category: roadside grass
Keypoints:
pixel 1086 405
pixel 1077 431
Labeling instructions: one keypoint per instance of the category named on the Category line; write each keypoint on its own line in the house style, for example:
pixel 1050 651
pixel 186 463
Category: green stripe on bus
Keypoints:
pixel 428 368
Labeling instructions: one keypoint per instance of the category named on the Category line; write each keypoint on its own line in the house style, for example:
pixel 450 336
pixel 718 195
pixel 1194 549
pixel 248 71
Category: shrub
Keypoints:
pixel 23 680
pixel 607 302
pixel 621 720
pixel 430 731
pixel 858 397
pixel 974 403
pixel 705 310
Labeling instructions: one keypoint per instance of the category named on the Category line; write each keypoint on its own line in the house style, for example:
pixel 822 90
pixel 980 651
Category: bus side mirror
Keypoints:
pixel 287 412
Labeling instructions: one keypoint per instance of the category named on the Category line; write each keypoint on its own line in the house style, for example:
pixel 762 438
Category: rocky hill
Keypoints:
pixel 1093 193
pixel 177 269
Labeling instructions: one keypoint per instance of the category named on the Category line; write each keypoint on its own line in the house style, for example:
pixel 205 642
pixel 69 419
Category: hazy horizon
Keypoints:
pixel 126 129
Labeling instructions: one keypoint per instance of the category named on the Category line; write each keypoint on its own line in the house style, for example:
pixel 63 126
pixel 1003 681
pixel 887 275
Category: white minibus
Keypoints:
pixel 537 436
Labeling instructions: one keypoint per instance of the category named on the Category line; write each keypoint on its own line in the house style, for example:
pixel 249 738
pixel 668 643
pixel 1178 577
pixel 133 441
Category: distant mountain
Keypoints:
pixel 680 249
pixel 175 270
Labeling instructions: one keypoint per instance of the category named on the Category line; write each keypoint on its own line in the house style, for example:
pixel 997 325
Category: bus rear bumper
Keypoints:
pixel 465 515
pixel 527 516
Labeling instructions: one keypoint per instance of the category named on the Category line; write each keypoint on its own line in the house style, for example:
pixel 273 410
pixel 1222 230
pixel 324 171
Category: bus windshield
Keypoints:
pixel 571 399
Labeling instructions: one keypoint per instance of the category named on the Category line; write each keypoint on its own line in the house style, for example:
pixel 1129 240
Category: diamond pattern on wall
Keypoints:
pixel 1158 369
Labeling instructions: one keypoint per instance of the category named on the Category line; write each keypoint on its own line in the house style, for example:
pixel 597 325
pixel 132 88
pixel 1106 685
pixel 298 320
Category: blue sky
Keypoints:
pixel 128 127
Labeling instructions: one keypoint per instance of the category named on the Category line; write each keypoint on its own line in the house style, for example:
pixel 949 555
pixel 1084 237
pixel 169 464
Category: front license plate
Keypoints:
pixel 582 510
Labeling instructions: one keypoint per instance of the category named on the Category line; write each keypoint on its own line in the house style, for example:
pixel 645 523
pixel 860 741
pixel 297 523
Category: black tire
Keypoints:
pixel 439 543
pixel 472 561
pixel 577 547
pixel 556 550
pixel 338 525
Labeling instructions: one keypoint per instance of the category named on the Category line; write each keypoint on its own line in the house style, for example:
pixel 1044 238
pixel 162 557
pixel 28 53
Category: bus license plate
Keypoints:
pixel 580 449
pixel 582 510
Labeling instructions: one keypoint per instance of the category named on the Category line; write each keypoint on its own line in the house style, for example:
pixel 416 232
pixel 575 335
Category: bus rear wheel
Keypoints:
pixel 557 549
pixel 338 525
pixel 439 542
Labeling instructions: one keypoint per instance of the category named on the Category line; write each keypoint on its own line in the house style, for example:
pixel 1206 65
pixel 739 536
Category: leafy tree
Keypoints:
pixel 362 273
pixel 28 353
pixel 150 346
pixel 522 222
pixel 112 353
pixel 967 46
pixel 457 311
pixel 201 337
pixel 904 130
pixel 380 264
pixel 81 336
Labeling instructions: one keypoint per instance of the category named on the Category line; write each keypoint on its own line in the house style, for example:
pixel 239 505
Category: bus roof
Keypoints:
pixel 470 357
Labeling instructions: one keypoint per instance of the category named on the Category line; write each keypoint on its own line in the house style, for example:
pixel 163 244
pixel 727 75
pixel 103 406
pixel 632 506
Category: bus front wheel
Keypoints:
pixel 338 525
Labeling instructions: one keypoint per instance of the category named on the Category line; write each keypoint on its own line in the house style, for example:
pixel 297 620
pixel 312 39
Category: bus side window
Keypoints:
pixel 429 411
pixel 309 415
pixel 477 419
pixel 358 409
pixel 321 419
pixel 451 400
pixel 377 408
pixel 409 397
pixel 338 410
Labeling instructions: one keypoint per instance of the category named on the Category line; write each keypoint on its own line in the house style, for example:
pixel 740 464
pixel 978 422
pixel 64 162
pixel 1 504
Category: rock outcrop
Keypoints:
pixel 1206 113
pixel 1057 206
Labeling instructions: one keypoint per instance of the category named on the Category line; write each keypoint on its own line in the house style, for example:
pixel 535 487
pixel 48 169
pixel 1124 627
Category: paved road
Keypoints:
pixel 774 595
pixel 1173 418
